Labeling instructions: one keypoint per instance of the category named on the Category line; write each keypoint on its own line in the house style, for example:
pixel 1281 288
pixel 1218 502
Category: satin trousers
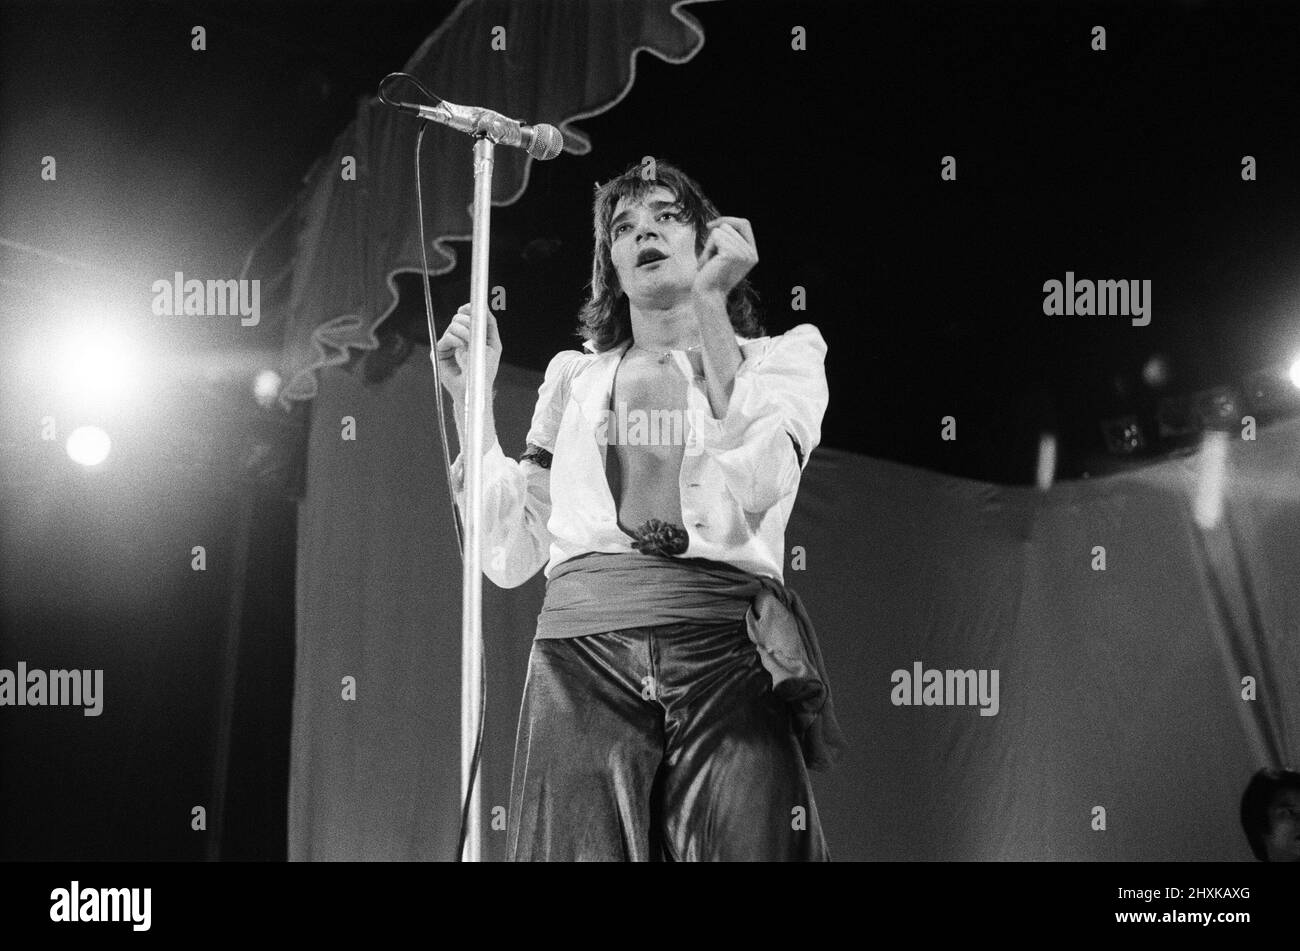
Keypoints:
pixel 660 743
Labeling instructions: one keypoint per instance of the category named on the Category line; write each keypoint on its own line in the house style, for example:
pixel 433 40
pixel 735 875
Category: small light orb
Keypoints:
pixel 89 445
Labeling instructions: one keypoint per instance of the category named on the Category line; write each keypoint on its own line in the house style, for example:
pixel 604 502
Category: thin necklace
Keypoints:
pixel 663 357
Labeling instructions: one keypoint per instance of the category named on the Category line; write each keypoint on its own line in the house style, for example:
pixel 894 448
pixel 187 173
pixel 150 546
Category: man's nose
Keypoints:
pixel 647 230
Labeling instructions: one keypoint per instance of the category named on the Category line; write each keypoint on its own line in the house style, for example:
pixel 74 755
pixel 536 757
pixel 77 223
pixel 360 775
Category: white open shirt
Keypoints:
pixel 737 486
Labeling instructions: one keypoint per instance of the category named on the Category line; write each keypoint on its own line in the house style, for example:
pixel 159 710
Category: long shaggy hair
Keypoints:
pixel 1255 803
pixel 606 319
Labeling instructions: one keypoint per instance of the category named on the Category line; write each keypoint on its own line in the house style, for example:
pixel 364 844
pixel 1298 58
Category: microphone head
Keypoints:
pixel 547 142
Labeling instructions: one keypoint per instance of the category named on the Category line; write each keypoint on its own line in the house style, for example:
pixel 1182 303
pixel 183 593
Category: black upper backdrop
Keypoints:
pixel 1123 164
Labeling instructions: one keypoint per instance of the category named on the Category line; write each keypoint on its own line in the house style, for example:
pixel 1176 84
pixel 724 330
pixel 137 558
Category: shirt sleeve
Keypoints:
pixel 517 493
pixel 773 419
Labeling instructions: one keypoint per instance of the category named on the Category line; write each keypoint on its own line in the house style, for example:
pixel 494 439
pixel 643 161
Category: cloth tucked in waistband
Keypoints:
pixel 600 592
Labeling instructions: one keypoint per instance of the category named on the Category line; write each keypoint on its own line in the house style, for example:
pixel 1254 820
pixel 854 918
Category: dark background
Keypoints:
pixel 1122 164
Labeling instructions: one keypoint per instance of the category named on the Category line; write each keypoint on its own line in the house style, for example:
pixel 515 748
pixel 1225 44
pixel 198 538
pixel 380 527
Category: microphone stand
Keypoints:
pixel 541 142
pixel 471 664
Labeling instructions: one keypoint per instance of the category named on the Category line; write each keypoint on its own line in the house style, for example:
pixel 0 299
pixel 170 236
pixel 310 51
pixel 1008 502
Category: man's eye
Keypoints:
pixel 618 229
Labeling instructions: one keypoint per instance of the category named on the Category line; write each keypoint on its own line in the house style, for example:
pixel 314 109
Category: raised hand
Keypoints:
pixel 729 254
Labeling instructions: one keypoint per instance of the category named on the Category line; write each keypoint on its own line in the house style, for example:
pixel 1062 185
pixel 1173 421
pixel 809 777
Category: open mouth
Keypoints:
pixel 650 256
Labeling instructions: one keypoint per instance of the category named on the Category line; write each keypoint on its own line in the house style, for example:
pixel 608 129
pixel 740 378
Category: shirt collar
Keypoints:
pixel 591 347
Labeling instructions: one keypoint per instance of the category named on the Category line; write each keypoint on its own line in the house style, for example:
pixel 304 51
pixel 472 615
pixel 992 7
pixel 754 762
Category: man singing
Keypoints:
pixel 676 694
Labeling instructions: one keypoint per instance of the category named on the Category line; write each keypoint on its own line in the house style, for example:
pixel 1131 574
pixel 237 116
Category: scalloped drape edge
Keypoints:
pixel 303 384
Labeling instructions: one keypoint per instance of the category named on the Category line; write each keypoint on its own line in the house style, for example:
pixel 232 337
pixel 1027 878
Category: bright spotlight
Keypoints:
pixel 266 388
pixel 1295 372
pixel 88 445
pixel 96 366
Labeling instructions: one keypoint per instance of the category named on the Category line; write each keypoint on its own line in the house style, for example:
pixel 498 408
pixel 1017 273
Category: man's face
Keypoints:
pixel 1283 839
pixel 640 229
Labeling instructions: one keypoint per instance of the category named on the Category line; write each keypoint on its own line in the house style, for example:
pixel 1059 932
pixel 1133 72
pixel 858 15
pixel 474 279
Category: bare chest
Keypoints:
pixel 647 434
pixel 647 385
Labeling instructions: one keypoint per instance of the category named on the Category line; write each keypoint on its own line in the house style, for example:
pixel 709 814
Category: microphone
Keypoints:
pixel 541 141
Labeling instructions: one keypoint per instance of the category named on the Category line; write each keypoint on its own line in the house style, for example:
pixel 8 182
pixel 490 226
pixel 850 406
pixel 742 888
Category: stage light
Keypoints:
pixel 266 388
pixel 1294 374
pixel 1155 372
pixel 89 445
pixel 1123 435
pixel 1269 394
pixel 96 366
pixel 1217 408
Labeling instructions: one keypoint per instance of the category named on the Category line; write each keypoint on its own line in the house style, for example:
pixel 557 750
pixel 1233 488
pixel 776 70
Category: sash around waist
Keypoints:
pixel 600 592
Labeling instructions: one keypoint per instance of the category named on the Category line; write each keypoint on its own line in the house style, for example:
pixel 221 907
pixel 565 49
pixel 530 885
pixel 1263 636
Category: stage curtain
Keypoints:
pixel 563 60
pixel 1119 689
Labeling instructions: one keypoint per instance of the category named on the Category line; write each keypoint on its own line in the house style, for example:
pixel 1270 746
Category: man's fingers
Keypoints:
pixel 737 242
pixel 740 250
pixel 741 226
pixel 729 245
pixel 727 238
pixel 463 318
pixel 455 338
